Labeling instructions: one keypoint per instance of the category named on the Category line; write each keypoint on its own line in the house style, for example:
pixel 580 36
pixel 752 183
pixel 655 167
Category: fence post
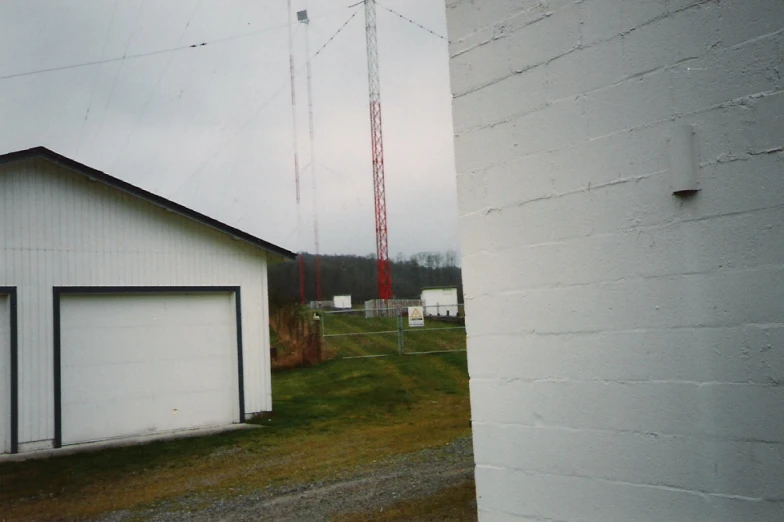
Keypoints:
pixel 401 343
pixel 323 334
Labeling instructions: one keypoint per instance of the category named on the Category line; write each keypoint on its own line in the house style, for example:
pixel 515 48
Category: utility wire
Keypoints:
pixel 258 110
pixel 157 84
pixel 247 121
pixel 95 80
pixel 411 21
pixel 159 51
pixel 144 55
pixel 161 143
pixel 119 72
pixel 336 33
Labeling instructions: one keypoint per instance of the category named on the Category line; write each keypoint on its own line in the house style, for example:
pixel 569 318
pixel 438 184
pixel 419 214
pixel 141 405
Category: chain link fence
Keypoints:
pixel 351 334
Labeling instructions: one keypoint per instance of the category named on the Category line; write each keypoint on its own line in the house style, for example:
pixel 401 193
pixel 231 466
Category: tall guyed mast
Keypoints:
pixel 296 149
pixel 382 243
pixel 302 16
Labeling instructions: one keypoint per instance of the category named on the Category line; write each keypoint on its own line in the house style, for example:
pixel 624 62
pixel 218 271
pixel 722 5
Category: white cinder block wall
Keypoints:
pixel 626 345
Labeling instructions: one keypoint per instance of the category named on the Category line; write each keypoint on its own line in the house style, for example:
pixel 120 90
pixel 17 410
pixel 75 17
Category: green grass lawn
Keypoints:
pixel 327 420
pixel 379 335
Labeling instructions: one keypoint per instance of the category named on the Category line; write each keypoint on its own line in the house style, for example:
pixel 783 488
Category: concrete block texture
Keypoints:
pixel 626 345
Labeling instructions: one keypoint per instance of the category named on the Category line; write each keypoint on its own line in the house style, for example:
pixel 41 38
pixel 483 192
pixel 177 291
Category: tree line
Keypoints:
pixel 358 276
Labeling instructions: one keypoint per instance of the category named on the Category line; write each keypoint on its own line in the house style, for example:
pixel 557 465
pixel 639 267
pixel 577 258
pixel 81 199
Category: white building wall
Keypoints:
pixel 342 302
pixel 439 301
pixel 626 346
pixel 57 228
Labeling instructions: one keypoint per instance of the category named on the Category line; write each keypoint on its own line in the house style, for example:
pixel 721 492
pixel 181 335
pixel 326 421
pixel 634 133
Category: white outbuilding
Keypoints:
pixel 440 301
pixel 342 302
pixel 122 313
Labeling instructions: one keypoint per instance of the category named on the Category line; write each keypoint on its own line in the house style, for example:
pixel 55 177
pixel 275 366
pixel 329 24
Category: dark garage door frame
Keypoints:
pixel 59 291
pixel 13 362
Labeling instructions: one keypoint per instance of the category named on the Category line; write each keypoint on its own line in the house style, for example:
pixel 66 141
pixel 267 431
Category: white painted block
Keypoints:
pixel 744 21
pixel 686 34
pixel 587 68
pixel 515 94
pixel 741 354
pixel 639 101
pixel 769 123
pixel 629 457
pixel 743 186
pixel 574 498
pixel 544 39
pixel 724 75
pixel 710 410
pixel 605 19
pixel 479 66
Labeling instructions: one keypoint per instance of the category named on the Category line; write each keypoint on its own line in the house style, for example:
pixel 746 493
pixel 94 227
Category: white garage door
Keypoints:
pixel 146 363
pixel 5 374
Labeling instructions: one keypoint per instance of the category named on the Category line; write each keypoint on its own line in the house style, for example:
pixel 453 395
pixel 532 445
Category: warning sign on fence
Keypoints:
pixel 416 316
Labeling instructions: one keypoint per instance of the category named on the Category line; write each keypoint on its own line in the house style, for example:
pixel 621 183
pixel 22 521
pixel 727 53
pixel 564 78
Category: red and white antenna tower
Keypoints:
pixel 302 16
pixel 296 149
pixel 382 243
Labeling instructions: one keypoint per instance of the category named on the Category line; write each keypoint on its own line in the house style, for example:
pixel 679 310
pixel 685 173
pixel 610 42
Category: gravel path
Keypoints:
pixel 407 477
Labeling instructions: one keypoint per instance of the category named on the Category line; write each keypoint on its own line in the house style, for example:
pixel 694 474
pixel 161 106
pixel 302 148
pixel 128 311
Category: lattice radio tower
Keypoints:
pixel 382 243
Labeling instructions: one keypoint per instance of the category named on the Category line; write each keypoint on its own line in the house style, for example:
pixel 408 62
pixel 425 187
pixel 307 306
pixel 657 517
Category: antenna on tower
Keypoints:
pixel 302 17
pixel 377 146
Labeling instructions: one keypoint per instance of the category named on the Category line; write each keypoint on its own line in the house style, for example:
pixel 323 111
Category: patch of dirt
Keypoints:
pixel 367 489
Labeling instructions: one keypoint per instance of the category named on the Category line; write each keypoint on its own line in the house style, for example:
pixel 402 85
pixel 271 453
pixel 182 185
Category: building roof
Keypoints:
pixel 97 175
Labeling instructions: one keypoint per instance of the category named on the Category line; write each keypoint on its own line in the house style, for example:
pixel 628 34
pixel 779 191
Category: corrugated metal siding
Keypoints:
pixel 57 228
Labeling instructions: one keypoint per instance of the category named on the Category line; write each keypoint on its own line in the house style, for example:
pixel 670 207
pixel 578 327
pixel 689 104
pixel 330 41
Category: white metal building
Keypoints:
pixel 440 301
pixel 122 313
pixel 342 302
pixel 625 337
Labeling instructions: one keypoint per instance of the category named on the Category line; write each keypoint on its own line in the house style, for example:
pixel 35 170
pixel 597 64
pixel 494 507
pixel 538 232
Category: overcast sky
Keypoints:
pixel 210 127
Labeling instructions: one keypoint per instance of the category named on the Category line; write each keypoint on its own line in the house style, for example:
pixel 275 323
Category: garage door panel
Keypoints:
pixel 137 364
pixel 212 373
pixel 106 382
pixel 187 410
pixel 130 345
pixel 142 311
pixel 5 374
pixel 210 340
pixel 135 420
pixel 98 350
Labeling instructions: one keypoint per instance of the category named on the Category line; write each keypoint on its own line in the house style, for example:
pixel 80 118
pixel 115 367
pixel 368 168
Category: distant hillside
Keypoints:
pixel 357 276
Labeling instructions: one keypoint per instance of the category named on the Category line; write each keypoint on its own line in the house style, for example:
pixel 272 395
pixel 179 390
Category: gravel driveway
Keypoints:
pixel 366 490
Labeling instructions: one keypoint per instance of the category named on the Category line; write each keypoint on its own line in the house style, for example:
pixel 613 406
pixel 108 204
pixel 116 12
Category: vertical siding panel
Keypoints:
pixel 22 232
pixel 266 379
pixel 36 307
pixel 176 240
pixel 100 225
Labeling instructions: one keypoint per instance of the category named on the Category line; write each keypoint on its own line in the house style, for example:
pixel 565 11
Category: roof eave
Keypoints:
pixel 80 168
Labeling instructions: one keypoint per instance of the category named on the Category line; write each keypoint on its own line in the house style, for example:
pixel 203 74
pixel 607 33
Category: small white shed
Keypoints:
pixel 342 302
pixel 440 301
pixel 122 313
